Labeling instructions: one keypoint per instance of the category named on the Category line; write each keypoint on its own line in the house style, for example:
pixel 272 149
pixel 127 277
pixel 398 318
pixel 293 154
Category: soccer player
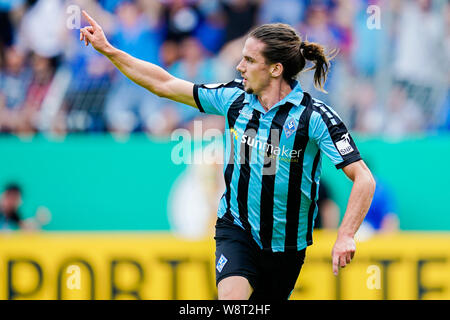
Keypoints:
pixel 277 134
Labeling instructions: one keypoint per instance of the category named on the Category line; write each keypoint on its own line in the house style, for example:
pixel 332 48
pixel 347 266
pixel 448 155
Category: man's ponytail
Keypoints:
pixel 316 53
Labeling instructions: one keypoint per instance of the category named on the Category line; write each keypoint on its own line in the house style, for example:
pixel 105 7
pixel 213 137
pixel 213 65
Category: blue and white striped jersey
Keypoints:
pixel 273 161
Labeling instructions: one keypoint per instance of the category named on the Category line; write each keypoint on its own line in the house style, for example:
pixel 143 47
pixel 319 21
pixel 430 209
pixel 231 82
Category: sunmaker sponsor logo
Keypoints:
pixel 269 150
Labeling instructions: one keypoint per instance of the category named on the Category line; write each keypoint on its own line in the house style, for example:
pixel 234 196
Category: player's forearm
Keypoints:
pixel 358 204
pixel 145 74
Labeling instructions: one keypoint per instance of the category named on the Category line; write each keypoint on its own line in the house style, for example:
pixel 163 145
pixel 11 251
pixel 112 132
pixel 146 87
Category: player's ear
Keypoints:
pixel 276 70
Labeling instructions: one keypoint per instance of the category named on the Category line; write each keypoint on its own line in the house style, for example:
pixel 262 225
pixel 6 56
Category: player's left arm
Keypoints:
pixel 357 207
pixel 333 139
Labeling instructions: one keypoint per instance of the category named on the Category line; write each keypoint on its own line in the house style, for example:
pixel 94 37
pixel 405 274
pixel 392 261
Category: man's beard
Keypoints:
pixel 249 90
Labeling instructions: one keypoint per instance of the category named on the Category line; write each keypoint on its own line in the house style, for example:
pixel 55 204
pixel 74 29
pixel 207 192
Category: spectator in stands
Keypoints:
pixel 130 107
pixel 110 5
pixel 85 97
pixel 194 66
pixel 90 81
pixel 15 77
pixel 193 62
pixel 444 122
pixel 169 53
pixel 382 216
pixel 412 66
pixel 10 217
pixel 443 114
pixel 367 113
pixel 40 28
pixel 366 56
pixel 284 11
pixel 10 201
pixel 100 99
pixel 317 27
pixel 42 77
pixel 403 116
pixel 181 19
pixel 211 30
pixel 6 24
pixel 240 17
pixel 328 211
pixel 229 57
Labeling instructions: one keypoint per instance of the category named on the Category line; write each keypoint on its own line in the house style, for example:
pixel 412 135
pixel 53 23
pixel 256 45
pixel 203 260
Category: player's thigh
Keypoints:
pixel 234 288
pixel 278 274
pixel 236 259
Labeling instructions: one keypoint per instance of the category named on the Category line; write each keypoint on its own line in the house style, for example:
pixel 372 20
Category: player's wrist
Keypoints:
pixel 108 50
pixel 343 233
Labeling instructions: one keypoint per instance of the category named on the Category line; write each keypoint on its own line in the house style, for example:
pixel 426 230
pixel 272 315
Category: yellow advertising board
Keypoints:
pixel 161 266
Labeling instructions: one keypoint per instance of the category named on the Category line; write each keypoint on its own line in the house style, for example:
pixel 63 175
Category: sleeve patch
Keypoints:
pixel 344 147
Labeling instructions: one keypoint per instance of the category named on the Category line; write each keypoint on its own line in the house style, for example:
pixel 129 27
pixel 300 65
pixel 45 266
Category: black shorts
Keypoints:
pixel 272 275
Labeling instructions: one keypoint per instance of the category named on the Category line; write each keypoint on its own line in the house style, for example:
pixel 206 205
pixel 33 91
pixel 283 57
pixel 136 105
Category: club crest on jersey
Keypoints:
pixel 290 127
pixel 344 145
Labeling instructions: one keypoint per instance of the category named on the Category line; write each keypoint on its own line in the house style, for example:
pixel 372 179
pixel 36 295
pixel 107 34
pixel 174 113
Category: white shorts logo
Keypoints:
pixel 221 263
pixel 343 145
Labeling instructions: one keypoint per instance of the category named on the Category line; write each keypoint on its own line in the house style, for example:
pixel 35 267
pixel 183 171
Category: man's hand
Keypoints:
pixel 357 207
pixel 146 74
pixel 94 34
pixel 343 252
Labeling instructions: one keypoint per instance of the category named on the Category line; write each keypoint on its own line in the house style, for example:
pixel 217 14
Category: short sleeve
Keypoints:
pixel 332 137
pixel 216 98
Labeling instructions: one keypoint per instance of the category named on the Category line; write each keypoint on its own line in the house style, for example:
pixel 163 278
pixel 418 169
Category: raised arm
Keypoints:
pixel 357 207
pixel 148 75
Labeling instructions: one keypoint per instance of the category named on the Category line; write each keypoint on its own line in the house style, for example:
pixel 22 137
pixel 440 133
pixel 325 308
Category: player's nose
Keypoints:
pixel 240 66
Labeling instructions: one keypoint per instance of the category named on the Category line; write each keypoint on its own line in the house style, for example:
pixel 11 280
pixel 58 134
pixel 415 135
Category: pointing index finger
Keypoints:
pixel 90 20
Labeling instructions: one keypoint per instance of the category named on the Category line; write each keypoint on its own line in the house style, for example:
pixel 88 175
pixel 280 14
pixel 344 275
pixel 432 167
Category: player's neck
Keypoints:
pixel 274 93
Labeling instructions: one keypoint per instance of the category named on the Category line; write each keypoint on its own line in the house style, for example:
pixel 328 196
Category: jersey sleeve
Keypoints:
pixel 332 137
pixel 216 98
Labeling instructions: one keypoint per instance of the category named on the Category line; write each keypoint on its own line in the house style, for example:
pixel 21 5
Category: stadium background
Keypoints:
pixel 94 154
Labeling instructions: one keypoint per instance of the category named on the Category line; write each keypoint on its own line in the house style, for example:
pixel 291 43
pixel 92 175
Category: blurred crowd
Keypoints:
pixel 391 76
